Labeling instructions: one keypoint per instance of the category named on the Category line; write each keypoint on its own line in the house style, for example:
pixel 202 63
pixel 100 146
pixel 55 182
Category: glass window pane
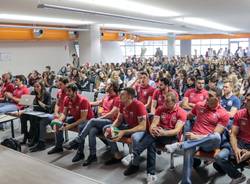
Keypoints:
pixel 165 50
pixel 150 50
pixel 205 42
pixel 197 48
pixel 239 39
pixel 243 45
pixel 215 41
pixel 196 42
pixel 224 41
pixel 130 51
pixel 177 42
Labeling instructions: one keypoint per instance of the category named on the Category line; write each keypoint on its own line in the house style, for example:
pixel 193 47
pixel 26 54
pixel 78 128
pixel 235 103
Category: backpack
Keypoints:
pixel 12 144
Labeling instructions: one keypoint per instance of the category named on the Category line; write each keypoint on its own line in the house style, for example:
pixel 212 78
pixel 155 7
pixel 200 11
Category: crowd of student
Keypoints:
pixel 184 103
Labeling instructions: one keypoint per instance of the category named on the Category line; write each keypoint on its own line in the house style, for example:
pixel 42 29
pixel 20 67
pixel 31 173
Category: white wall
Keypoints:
pixel 28 56
pixel 111 52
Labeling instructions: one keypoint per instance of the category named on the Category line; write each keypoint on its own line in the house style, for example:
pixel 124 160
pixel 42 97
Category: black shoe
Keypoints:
pixel 55 150
pixel 218 168
pixel 71 145
pixel 131 170
pixel 90 159
pixel 197 163
pixel 79 156
pixel 31 144
pixel 38 147
pixel 113 161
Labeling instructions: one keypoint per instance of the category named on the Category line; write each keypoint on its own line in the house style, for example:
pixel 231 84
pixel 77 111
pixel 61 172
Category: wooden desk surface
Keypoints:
pixel 5 118
pixel 18 168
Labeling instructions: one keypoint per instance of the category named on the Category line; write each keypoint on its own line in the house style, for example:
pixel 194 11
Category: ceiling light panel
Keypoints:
pixel 131 6
pixel 40 19
pixel 206 23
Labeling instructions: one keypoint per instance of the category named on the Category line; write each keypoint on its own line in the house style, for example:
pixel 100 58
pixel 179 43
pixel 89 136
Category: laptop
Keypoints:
pixel 27 100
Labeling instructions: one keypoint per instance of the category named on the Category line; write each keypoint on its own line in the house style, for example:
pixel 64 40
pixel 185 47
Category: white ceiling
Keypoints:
pixel 228 12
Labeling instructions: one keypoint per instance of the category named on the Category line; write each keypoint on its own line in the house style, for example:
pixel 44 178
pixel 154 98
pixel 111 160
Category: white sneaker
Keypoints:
pixel 240 179
pixel 170 148
pixel 127 159
pixel 151 179
pixel 49 129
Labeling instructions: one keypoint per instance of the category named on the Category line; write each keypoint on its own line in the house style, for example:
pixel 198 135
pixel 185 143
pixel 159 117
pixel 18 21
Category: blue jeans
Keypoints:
pixel 92 128
pixel 149 142
pixel 136 137
pixel 223 160
pixel 7 107
pixel 208 143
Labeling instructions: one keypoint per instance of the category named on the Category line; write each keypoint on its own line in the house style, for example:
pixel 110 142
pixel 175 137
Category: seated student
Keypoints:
pixel 7 86
pixel 58 111
pixel 131 121
pixel 144 90
pixel 168 122
pixel 42 103
pixel 110 104
pixel 195 95
pixel 14 98
pixel 240 142
pixel 211 120
pixel 76 106
pixel 158 95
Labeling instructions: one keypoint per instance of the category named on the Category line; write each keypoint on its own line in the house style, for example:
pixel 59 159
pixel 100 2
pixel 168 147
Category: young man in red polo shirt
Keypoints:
pixel 144 90
pixel 240 142
pixel 210 123
pixel 76 106
pixel 14 98
pixel 131 120
pixel 110 104
pixel 158 95
pixel 194 95
pixel 168 122
pixel 8 86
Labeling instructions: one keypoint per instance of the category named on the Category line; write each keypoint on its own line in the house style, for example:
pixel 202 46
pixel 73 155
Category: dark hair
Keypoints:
pixel 42 84
pixel 48 67
pixel 213 79
pixel 72 86
pixel 64 80
pixel 144 73
pixel 21 78
pixel 130 91
pixel 115 86
pixel 165 81
pixel 199 78
pixel 218 92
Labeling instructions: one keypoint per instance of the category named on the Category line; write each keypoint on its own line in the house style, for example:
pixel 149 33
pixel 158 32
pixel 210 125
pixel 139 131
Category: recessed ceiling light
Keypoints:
pixel 40 19
pixel 131 6
pixel 206 23
pixel 141 29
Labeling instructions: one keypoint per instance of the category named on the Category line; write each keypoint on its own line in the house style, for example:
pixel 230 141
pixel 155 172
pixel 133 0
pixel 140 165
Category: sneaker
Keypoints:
pixel 126 160
pixel 131 170
pixel 38 147
pixel 112 161
pixel 71 145
pixel 79 156
pixel 171 148
pixel 55 150
pixel 240 179
pixel 151 179
pixel 218 168
pixel 90 159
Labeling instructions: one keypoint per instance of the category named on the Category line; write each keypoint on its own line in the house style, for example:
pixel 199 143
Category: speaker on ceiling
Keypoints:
pixel 38 33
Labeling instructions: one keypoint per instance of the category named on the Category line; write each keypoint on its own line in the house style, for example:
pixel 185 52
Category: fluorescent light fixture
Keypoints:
pixel 131 6
pixel 206 23
pixel 40 19
pixel 141 29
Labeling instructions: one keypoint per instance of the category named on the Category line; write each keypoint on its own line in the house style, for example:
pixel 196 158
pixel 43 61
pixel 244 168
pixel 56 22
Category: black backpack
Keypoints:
pixel 12 144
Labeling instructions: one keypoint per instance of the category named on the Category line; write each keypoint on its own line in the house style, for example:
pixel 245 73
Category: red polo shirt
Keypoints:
pixel 195 96
pixel 76 106
pixel 159 96
pixel 168 119
pixel 110 101
pixel 61 94
pixel 19 92
pixel 143 93
pixel 242 120
pixel 7 87
pixel 133 112
pixel 207 119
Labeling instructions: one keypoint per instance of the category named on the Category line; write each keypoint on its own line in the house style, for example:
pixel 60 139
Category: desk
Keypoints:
pixel 18 168
pixel 6 118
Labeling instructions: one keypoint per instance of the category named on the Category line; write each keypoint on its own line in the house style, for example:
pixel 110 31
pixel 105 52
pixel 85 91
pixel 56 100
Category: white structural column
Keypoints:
pixel 90 45
pixel 171 45
pixel 186 47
